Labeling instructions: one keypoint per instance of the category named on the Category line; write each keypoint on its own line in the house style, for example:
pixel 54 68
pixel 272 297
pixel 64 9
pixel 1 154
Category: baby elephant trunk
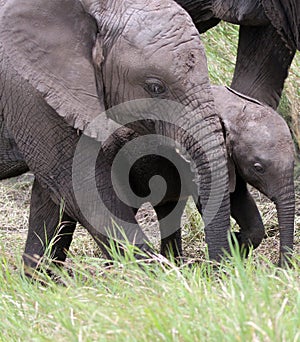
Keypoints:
pixel 285 205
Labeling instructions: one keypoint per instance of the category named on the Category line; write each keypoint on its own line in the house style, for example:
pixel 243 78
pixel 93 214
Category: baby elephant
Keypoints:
pixel 260 153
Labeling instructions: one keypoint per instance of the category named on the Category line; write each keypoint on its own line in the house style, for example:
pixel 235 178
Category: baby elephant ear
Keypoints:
pixel 231 174
pixel 50 44
pixel 230 162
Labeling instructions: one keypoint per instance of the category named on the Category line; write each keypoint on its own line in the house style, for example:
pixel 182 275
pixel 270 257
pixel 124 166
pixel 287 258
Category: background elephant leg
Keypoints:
pixel 169 219
pixel 262 65
pixel 247 216
pixel 44 229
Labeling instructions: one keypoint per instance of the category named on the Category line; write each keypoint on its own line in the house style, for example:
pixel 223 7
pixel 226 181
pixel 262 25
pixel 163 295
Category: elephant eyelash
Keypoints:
pixel 155 87
pixel 259 168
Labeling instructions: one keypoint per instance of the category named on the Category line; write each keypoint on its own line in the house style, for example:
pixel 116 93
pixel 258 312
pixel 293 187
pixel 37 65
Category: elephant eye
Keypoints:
pixel 155 87
pixel 259 168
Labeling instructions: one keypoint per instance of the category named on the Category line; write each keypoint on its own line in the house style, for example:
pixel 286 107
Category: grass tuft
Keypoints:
pixel 238 300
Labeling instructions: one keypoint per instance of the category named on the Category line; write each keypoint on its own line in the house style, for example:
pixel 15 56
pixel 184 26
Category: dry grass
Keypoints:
pixel 14 211
pixel 15 199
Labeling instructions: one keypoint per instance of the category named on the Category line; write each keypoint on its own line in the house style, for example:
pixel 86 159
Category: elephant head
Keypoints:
pixel 260 145
pixel 85 57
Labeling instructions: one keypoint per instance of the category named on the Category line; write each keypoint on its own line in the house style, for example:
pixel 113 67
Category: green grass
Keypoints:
pixel 220 46
pixel 237 301
pixel 156 302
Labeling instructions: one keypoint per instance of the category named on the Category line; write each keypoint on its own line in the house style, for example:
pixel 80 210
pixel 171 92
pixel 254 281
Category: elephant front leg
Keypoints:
pixel 11 160
pixel 169 217
pixel 247 216
pixel 47 229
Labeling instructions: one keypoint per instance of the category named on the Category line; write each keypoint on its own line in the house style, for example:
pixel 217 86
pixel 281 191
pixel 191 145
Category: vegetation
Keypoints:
pixel 157 302
pixel 88 300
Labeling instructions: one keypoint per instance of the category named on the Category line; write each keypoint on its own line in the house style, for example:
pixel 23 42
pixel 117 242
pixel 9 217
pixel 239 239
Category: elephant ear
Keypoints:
pixel 52 44
pixel 231 174
pixel 229 148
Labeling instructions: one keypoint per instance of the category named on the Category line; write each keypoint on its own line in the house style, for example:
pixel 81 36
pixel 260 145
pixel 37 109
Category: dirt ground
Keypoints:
pixel 14 211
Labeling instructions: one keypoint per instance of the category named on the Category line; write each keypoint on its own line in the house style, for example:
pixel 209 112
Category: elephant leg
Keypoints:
pixel 262 65
pixel 46 230
pixel 10 169
pixel 124 218
pixel 115 217
pixel 247 216
pixel 11 160
pixel 169 219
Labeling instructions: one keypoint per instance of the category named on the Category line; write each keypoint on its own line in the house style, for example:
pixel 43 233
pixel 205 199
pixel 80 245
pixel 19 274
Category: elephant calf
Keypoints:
pixel 260 153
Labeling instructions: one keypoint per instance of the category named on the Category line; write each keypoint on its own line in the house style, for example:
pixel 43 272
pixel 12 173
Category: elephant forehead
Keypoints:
pixel 266 140
pixel 257 135
pixel 167 40
pixel 159 25
pixel 266 122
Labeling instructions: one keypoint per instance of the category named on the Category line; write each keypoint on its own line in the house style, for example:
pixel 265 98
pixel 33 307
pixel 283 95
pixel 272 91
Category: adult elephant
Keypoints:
pixel 268 39
pixel 62 64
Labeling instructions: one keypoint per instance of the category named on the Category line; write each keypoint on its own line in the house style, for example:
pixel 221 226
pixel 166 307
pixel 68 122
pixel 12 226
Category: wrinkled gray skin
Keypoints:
pixel 268 39
pixel 260 145
pixel 62 63
pixel 11 161
pixel 261 153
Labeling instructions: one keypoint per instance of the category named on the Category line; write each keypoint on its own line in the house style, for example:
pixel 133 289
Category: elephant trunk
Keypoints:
pixel 285 205
pixel 202 139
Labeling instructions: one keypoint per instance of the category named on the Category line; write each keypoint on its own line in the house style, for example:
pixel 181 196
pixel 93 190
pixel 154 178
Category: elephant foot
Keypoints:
pixel 244 243
pixel 248 239
pixel 36 270
pixel 239 244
